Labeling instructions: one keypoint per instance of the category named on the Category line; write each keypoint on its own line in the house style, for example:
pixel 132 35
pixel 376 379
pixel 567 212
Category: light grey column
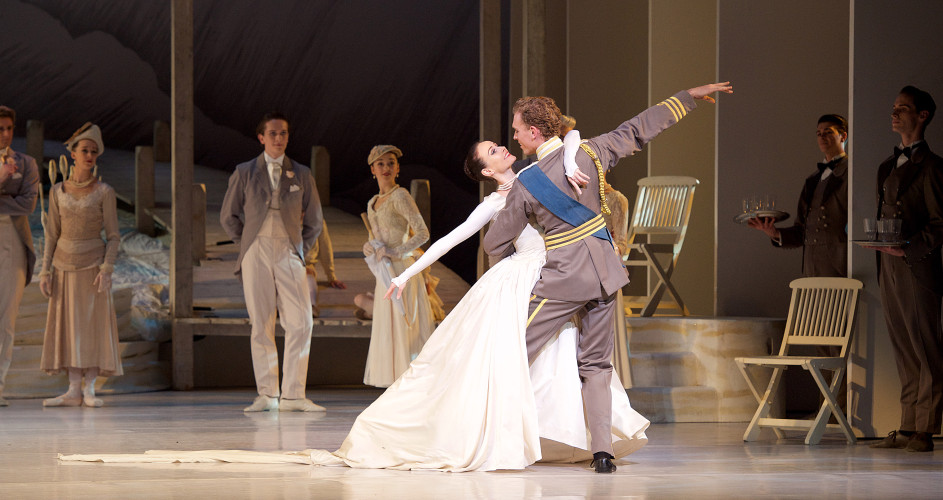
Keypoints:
pixel 689 147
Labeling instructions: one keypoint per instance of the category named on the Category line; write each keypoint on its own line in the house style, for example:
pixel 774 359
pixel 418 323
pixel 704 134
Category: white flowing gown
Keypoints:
pixel 469 401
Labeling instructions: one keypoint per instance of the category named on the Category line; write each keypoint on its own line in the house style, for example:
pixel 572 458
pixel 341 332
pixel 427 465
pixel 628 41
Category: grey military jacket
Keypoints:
pixel 587 269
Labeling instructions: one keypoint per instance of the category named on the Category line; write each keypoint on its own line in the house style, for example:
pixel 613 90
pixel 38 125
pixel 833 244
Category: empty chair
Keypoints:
pixel 821 313
pixel 658 225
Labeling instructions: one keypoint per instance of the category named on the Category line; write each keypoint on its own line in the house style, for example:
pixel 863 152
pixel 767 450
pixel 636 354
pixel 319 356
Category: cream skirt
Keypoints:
pixel 81 329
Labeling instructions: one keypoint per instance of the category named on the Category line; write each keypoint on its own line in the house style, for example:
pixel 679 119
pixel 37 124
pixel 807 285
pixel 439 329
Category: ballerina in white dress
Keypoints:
pixel 470 401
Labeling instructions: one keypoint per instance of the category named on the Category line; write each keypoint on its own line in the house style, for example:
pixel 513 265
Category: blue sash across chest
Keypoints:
pixel 585 221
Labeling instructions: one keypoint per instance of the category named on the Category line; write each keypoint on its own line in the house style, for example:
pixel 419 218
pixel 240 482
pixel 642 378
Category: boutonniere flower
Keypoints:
pixel 290 174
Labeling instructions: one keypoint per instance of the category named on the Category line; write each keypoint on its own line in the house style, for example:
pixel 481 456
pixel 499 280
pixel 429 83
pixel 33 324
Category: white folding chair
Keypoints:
pixel 821 313
pixel 659 223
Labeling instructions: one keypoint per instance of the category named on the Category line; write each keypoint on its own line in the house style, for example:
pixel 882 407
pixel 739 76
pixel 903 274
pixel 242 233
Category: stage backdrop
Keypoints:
pixel 349 75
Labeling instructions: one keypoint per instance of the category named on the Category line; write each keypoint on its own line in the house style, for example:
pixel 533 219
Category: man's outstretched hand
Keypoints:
pixel 704 92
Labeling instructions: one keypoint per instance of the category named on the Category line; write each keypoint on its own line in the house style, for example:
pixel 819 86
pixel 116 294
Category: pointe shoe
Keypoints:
pixel 262 403
pixel 299 405
pixel 92 401
pixel 62 401
pixel 4 402
pixel 602 463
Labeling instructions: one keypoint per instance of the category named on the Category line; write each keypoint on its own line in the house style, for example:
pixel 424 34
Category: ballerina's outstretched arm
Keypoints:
pixel 479 217
pixel 477 220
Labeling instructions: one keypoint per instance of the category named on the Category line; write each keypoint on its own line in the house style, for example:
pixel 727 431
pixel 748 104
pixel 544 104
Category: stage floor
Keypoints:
pixel 686 460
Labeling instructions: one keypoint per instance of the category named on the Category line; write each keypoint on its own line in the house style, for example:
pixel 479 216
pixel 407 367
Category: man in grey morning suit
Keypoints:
pixel 273 212
pixel 910 188
pixel 820 227
pixel 581 275
pixel 19 188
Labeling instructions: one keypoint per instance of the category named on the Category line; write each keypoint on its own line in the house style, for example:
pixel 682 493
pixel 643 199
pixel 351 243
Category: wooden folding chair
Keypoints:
pixel 821 313
pixel 659 223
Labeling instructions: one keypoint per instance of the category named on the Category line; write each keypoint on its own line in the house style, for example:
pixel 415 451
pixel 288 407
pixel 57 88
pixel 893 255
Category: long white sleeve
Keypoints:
pixel 477 220
pixel 571 144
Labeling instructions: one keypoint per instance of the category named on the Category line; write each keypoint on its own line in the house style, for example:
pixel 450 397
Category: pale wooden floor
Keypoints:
pixel 681 460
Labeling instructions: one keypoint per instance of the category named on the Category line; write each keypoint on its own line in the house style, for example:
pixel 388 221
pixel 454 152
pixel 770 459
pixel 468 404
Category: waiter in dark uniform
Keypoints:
pixel 910 188
pixel 820 227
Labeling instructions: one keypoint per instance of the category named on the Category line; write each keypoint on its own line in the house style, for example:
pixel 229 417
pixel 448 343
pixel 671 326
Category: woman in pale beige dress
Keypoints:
pixel 81 330
pixel 398 230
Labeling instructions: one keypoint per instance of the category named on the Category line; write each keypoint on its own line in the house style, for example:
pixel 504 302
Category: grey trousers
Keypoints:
pixel 912 313
pixel 545 318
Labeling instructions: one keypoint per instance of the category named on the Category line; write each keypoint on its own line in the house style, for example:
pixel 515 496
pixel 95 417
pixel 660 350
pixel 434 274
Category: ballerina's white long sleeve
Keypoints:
pixel 480 216
pixel 571 144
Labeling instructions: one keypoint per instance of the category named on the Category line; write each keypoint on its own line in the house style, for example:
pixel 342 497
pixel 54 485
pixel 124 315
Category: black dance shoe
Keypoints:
pixel 602 463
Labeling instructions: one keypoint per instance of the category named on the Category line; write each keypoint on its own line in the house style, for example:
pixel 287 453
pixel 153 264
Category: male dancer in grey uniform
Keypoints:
pixel 821 222
pixel 910 188
pixel 581 276
pixel 273 212
pixel 19 188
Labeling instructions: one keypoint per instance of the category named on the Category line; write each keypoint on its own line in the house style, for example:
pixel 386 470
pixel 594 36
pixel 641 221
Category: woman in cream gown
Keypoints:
pixel 81 331
pixel 469 401
pixel 397 231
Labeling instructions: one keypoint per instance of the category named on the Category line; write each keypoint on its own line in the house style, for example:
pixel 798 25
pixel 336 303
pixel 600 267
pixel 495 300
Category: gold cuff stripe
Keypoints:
pixel 531 318
pixel 681 107
pixel 678 109
pixel 678 105
pixel 557 236
pixel 532 297
pixel 673 112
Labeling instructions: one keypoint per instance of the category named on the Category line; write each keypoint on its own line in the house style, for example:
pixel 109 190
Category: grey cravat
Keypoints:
pixel 276 175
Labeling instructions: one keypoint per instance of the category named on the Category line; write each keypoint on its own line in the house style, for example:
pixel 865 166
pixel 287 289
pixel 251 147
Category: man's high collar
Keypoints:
pixel 548 147
pixel 268 159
